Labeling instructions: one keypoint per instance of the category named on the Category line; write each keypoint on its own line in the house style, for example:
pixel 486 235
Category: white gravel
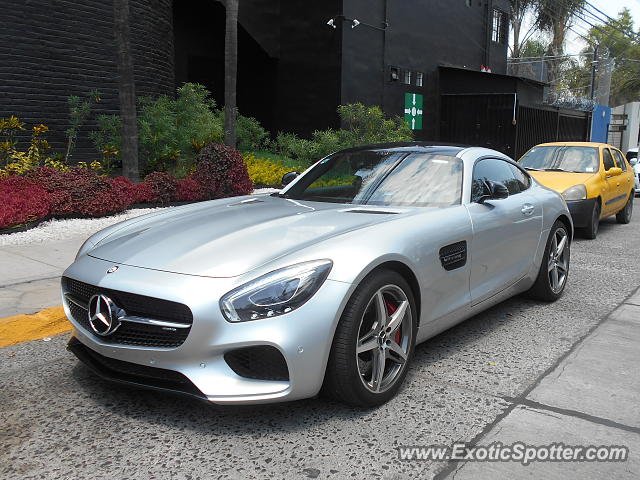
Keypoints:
pixel 54 230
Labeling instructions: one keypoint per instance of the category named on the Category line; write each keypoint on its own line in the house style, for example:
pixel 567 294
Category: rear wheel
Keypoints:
pixel 554 270
pixel 624 215
pixel 591 230
pixel 373 343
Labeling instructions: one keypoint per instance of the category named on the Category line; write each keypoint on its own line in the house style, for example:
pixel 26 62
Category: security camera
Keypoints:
pixel 332 23
pixel 355 23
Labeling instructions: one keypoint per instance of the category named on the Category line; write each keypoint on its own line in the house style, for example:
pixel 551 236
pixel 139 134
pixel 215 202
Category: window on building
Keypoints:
pixel 468 3
pixel 407 77
pixel 394 74
pixel 419 78
pixel 500 26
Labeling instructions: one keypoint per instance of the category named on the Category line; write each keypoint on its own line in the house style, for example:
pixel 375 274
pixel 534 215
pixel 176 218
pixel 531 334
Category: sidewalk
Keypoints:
pixel 30 279
pixel 591 397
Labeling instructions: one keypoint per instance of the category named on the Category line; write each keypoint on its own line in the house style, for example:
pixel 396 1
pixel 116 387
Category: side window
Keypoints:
pixel 620 160
pixel 607 159
pixel 496 171
pixel 523 179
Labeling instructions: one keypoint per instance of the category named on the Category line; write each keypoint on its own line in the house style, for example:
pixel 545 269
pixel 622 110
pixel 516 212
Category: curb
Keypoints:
pixel 23 328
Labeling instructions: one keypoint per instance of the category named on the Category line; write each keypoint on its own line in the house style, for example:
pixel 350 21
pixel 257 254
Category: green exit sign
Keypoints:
pixel 413 103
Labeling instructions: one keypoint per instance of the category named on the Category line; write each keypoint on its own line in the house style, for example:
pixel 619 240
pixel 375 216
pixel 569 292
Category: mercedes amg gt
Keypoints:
pixel 323 287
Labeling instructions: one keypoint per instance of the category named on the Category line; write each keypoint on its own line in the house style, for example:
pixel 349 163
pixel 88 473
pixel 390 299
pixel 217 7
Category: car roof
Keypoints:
pixel 425 147
pixel 575 144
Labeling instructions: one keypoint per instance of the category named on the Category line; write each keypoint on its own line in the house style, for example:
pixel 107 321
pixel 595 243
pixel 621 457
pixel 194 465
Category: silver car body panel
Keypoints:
pixel 196 253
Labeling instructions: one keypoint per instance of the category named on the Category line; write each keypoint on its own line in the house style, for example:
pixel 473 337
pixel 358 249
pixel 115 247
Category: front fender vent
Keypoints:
pixel 454 256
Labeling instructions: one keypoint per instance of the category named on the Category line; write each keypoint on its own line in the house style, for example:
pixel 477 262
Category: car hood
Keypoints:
pixel 560 181
pixel 229 237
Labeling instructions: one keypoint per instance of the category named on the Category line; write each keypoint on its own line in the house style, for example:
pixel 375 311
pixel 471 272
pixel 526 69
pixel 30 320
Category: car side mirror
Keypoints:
pixel 633 161
pixel 289 177
pixel 494 191
pixel 614 172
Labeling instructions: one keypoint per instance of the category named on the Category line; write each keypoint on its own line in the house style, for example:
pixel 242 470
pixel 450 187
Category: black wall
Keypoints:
pixel 288 59
pixel 50 49
pixel 420 36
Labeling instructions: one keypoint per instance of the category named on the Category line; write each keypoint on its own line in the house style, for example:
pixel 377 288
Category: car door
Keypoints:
pixel 612 191
pixel 505 232
pixel 626 180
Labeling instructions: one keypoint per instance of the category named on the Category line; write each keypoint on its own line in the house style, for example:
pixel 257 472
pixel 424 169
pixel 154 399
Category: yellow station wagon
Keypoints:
pixel 595 179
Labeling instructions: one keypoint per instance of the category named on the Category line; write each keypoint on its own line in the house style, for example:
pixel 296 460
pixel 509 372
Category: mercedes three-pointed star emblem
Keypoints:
pixel 103 315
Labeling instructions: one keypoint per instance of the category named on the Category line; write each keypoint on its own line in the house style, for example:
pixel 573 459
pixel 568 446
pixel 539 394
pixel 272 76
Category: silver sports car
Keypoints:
pixel 326 286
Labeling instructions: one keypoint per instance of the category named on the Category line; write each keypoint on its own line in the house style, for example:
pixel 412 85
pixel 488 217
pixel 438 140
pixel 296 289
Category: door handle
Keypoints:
pixel 527 209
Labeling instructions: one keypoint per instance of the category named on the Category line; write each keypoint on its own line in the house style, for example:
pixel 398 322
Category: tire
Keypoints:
pixel 624 215
pixel 350 376
pixel 544 288
pixel 591 230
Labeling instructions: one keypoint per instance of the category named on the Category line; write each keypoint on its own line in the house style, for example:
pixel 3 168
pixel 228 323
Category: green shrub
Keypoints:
pixel 172 131
pixel 362 125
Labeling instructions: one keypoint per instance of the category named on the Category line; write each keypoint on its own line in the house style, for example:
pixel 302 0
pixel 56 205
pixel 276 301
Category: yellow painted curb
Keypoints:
pixel 22 328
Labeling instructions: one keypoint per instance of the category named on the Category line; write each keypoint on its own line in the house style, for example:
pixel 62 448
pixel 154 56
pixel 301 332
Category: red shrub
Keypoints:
pixel 126 190
pixel 163 185
pixel 79 191
pixel 221 172
pixel 21 201
pixel 189 190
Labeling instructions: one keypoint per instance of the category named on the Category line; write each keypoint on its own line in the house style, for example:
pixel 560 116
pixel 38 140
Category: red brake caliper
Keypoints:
pixel 391 309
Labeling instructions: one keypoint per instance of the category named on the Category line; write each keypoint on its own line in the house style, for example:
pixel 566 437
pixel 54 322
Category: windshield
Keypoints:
pixel 377 177
pixel 562 158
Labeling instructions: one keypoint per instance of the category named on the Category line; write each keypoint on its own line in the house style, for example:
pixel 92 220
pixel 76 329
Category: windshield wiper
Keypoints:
pixel 556 169
pixel 535 169
pixel 278 194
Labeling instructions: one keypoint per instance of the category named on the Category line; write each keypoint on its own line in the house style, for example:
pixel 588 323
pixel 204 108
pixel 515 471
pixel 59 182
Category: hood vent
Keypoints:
pixel 373 212
pixel 246 202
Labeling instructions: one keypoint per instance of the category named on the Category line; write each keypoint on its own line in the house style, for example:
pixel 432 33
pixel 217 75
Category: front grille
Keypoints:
pixel 130 333
pixel 262 362
pixel 133 373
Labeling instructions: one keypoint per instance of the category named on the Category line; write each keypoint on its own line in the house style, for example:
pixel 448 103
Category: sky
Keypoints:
pixel 575 44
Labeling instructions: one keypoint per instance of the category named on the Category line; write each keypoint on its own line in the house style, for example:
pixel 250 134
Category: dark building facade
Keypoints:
pixel 294 67
pixel 51 49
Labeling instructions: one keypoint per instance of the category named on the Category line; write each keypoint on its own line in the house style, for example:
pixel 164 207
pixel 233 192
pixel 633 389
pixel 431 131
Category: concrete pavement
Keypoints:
pixel 591 397
pixel 30 279
pixel 512 373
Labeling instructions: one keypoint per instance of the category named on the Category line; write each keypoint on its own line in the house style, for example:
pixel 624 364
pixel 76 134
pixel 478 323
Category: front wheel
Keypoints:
pixel 624 215
pixel 554 270
pixel 591 230
pixel 373 343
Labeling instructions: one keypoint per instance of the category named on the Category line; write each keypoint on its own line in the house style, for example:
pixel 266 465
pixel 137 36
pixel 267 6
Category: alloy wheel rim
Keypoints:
pixel 629 208
pixel 384 339
pixel 558 264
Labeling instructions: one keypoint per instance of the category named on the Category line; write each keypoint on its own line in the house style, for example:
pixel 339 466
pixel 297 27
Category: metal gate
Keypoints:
pixel 496 121
pixel 479 120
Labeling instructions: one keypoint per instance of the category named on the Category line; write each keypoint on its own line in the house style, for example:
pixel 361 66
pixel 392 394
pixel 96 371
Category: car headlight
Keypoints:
pixel 577 192
pixel 275 293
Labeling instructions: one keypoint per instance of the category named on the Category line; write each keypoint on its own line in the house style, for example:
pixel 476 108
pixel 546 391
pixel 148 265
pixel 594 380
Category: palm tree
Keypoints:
pixel 555 17
pixel 126 90
pixel 519 10
pixel 230 72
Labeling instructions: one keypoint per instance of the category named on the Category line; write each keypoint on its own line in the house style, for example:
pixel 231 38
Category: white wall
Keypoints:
pixel 630 135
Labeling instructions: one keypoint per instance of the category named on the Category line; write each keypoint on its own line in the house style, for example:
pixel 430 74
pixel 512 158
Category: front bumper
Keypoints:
pixel 199 367
pixel 581 211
